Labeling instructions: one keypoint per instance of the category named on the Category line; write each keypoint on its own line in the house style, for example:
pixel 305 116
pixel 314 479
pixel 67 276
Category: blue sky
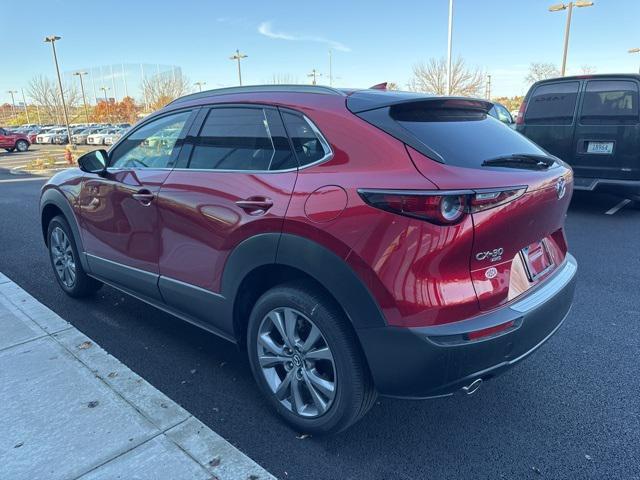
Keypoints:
pixel 371 42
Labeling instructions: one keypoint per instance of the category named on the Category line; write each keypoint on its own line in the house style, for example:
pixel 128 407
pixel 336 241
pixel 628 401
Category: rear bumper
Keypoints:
pixel 428 361
pixel 617 187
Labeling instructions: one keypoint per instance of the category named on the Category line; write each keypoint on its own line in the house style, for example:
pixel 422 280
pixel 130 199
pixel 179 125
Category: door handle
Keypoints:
pixel 144 196
pixel 255 205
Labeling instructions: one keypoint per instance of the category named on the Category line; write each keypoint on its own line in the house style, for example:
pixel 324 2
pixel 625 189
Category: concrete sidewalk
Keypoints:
pixel 70 410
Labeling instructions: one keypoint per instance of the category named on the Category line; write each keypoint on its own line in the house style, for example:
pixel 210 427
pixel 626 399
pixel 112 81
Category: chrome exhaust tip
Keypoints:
pixel 472 387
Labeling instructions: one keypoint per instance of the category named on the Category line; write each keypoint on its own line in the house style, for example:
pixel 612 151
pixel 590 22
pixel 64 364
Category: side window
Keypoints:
pixel 152 145
pixel 310 145
pixel 242 138
pixel 610 101
pixel 503 115
pixel 553 104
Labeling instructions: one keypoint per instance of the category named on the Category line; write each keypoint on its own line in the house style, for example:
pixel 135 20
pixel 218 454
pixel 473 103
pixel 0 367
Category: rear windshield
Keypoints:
pixel 463 138
pixel 610 101
pixel 553 104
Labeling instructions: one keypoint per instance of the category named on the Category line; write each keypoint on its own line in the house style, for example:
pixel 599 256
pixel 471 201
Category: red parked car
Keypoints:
pixel 354 242
pixel 11 141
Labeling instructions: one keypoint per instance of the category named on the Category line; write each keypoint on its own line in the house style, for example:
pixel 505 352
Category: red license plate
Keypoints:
pixel 537 259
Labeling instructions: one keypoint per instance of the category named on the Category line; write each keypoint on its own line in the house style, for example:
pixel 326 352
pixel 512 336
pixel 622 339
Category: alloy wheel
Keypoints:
pixel 22 146
pixel 296 362
pixel 62 257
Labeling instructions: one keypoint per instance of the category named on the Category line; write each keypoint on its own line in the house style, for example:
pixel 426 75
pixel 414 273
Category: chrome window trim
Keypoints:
pixel 323 141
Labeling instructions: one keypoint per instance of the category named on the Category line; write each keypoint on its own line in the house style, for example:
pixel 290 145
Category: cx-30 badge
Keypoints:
pixel 491 255
pixel 561 187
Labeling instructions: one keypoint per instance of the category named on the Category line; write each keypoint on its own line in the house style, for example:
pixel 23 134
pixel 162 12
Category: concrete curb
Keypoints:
pixel 167 441
pixel 21 170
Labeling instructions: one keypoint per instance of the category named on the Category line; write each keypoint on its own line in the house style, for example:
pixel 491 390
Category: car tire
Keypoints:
pixel 317 408
pixel 65 261
pixel 22 145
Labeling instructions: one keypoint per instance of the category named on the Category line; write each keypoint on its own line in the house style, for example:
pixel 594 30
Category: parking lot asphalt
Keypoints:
pixel 572 410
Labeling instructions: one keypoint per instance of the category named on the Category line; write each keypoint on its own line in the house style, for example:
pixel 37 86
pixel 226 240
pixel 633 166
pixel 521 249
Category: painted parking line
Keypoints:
pixel 29 179
pixel 622 204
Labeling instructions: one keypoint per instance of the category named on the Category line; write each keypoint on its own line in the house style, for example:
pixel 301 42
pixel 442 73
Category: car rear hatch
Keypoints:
pixel 607 135
pixel 516 193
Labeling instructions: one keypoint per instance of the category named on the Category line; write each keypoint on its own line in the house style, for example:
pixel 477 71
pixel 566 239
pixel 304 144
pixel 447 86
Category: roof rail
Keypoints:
pixel 258 89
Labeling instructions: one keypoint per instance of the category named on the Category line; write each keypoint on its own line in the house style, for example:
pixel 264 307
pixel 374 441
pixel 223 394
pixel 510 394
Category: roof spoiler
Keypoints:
pixel 363 100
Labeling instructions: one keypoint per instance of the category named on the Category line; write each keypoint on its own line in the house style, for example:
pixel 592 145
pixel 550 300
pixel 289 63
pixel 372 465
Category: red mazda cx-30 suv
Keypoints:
pixel 354 242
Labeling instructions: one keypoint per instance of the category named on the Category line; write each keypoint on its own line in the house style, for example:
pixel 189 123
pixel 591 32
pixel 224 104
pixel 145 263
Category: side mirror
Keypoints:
pixel 94 162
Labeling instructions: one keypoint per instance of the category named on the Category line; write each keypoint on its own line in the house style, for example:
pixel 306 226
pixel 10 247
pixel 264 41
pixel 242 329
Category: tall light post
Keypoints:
pixel 84 99
pixel 330 69
pixel 13 101
pixel 635 50
pixel 238 56
pixel 199 85
pixel 449 42
pixel 106 100
pixel 488 88
pixel 24 101
pixel 52 39
pixel 567 6
pixel 313 75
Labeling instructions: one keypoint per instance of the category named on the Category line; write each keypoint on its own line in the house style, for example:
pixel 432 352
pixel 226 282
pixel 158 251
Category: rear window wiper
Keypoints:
pixel 521 160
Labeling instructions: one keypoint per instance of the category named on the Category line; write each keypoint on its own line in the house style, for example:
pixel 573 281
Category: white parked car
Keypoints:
pixel 98 138
pixel 47 137
pixel 111 139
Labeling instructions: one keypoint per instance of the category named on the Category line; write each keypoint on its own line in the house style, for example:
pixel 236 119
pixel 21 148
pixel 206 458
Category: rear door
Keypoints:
pixel 234 181
pixel 607 137
pixel 549 118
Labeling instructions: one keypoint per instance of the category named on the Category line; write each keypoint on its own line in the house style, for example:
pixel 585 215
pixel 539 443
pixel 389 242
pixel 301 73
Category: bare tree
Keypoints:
pixel 432 77
pixel 587 70
pixel 165 87
pixel 392 86
pixel 283 79
pixel 541 71
pixel 46 95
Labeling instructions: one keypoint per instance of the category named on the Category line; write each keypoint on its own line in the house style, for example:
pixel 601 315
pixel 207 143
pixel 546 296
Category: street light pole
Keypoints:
pixel 488 92
pixel 24 101
pixel 13 101
pixel 449 42
pixel 635 50
pixel 199 85
pixel 104 89
pixel 330 69
pixel 314 73
pixel 84 99
pixel 567 29
pixel 238 56
pixel 52 39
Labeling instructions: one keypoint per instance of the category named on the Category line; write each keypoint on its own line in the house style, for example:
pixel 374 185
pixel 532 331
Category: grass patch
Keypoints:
pixel 41 163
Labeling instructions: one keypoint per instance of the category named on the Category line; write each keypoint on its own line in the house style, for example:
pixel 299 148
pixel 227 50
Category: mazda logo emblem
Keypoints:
pixel 561 187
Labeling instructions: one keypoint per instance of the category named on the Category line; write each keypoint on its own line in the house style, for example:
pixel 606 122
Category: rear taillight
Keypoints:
pixel 520 118
pixel 486 199
pixel 439 207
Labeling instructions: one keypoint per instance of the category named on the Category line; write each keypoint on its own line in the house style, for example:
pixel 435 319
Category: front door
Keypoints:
pixel 234 181
pixel 119 213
